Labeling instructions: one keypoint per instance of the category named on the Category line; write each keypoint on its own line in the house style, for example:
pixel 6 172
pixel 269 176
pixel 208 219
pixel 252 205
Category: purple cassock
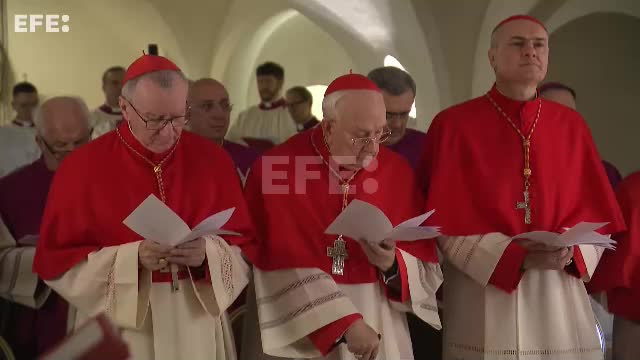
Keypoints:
pixel 612 173
pixel 23 194
pixel 426 341
pixel 410 146
pixel 242 156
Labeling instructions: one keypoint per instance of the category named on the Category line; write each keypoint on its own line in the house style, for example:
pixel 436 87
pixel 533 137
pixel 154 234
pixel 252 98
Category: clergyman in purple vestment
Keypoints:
pixel 36 317
pixel 209 116
pixel 399 92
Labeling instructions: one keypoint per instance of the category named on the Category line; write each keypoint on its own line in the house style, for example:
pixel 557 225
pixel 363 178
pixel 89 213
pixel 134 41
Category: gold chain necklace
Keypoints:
pixel 338 253
pixel 526 145
pixel 157 168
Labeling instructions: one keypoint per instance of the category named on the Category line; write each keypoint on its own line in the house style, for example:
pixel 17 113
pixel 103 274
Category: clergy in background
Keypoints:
pixel 399 91
pixel 24 101
pixel 299 103
pixel 565 95
pixel 17 148
pixel 268 122
pixel 17 140
pixel 90 257
pixel 500 165
pixel 619 275
pixel 106 117
pixel 209 116
pixel 38 316
pixel 322 296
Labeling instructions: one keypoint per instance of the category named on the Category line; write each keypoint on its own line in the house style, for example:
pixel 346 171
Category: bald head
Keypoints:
pixel 519 53
pixel 559 93
pixel 210 109
pixel 62 124
pixel 200 87
pixel 62 113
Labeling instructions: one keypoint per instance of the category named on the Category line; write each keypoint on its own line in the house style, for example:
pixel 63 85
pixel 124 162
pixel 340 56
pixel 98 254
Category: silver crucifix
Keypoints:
pixel 339 254
pixel 526 206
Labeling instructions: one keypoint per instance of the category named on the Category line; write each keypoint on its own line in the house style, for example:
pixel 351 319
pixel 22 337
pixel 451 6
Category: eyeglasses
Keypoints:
pixel 61 153
pixel 158 124
pixel 209 105
pixel 378 139
pixel 397 115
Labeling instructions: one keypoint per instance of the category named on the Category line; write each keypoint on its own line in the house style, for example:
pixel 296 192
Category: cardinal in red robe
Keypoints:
pixel 170 301
pixel 618 274
pixel 331 296
pixel 499 165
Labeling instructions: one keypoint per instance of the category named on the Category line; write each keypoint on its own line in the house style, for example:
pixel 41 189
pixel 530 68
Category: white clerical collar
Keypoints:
pixel 20 123
pixel 270 105
pixel 108 109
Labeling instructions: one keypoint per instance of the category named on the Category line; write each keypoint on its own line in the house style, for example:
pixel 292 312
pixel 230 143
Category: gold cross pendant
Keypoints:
pixel 526 206
pixel 339 254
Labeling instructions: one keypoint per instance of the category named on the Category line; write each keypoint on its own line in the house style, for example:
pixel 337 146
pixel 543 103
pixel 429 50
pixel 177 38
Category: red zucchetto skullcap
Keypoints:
pixel 519 17
pixel 351 82
pixel 148 64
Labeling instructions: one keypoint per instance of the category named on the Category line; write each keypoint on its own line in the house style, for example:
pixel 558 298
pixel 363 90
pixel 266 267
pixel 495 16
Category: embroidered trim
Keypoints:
pixel 429 307
pixel 422 271
pixel 282 292
pixel 226 268
pixel 459 242
pixel 16 270
pixel 481 349
pixel 472 251
pixel 5 254
pixel 110 292
pixel 448 244
pixel 301 310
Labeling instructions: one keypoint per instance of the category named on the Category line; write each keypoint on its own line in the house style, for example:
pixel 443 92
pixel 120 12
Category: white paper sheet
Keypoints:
pixel 581 234
pixel 154 220
pixel 361 220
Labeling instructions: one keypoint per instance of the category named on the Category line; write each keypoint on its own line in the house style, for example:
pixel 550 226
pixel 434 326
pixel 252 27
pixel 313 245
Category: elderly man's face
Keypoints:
pixel 210 110
pixel 157 114
pixel 354 137
pixel 64 127
pixel 24 103
pixel 520 53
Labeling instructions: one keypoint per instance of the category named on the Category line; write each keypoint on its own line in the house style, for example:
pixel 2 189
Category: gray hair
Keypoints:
pixel 330 103
pixel 38 116
pixel 393 80
pixel 163 78
pixel 494 40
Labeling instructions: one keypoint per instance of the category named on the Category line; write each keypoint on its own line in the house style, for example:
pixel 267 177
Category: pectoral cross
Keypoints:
pixel 339 254
pixel 526 206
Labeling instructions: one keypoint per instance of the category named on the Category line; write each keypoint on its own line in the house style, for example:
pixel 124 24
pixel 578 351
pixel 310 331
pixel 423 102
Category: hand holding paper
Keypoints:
pixel 154 220
pixel 363 221
pixel 581 234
